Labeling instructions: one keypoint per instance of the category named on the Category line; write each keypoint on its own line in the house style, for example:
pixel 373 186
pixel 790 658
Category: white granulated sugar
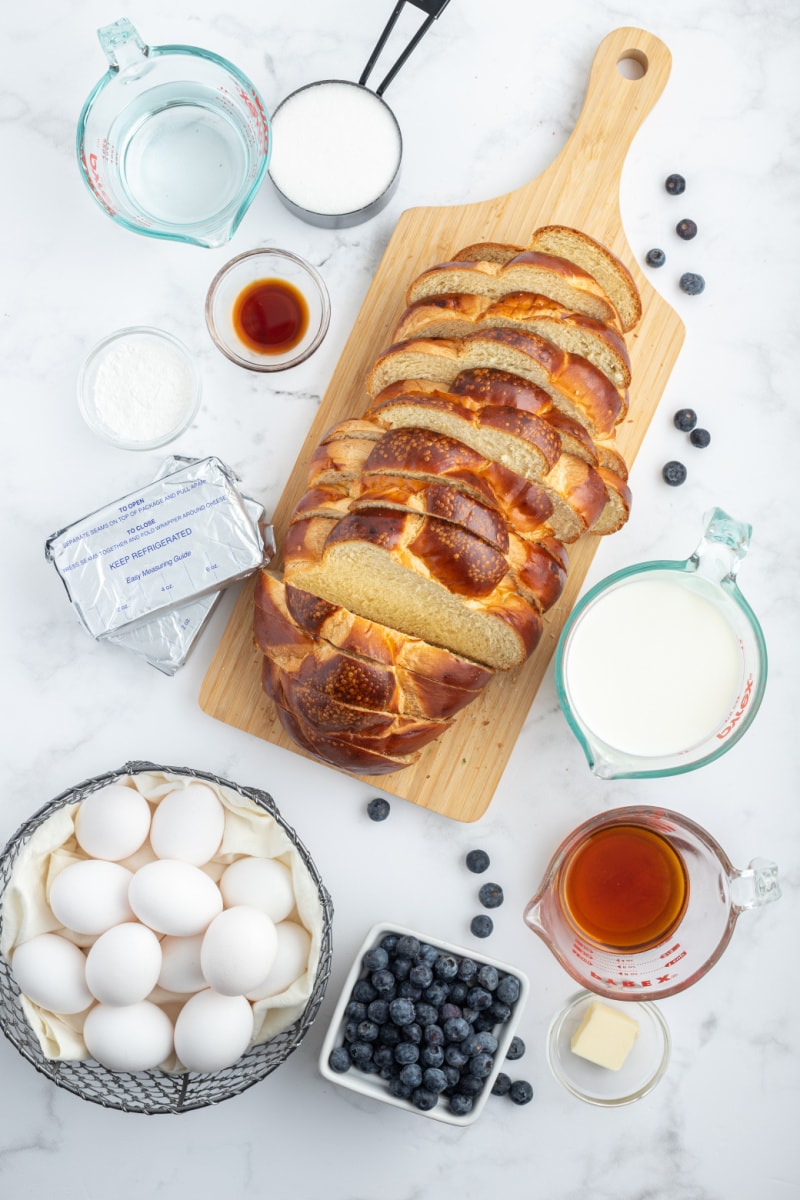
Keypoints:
pixel 336 148
pixel 142 391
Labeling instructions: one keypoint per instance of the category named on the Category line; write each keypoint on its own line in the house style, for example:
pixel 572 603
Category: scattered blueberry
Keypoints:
pixel 674 473
pixel 339 1060
pixel 655 257
pixel 521 1091
pixel 491 895
pixel 378 809
pixel 700 438
pixel 516 1049
pixel 685 419
pixel 686 229
pixel 691 283
pixel 502 1084
pixel 675 185
pixel 477 861
pixel 481 926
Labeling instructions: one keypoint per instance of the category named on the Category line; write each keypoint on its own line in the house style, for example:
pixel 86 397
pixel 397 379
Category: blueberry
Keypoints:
pixel 376 959
pixel 426 954
pixel 488 976
pixel 401 967
pixel 406 1053
pixel 460 1105
pixel 364 991
pixel 448 1011
pixel 675 185
pixel 339 1060
pixel 411 1075
pixel 389 942
pixel 402 1011
pixel 521 1091
pixel 655 257
pixel 420 975
pixel 458 992
pixel 356 1010
pixel 700 438
pixel 470 1085
pixel 391 1035
pixel 423 1099
pixel 384 1057
pixel 426 1013
pixel 685 419
pixel 478 1043
pixel 437 992
pixel 454 1056
pixel 477 861
pixel 456 1029
pixel 479 998
pixel 409 990
pixel 674 473
pixel 433 1035
pixel 367 1031
pixel 360 1053
pixel 499 1012
pixel 408 947
pixel 399 1089
pixel 451 1074
pixel 467 969
pixel 412 1033
pixel 383 982
pixel 446 967
pixel 501 1085
pixel 508 990
pixel 491 895
pixel 378 1011
pixel 516 1049
pixel 431 1056
pixel 686 229
pixel 691 283
pixel 350 1031
pixel 378 809
pixel 434 1079
pixel 480 1065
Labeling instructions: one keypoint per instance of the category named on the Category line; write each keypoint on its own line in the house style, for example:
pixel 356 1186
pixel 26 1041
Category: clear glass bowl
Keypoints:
pixel 376 1088
pixel 121 392
pixel 157 1091
pixel 251 267
pixel 638 1075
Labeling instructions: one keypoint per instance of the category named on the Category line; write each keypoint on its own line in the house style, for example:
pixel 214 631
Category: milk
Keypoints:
pixel 653 668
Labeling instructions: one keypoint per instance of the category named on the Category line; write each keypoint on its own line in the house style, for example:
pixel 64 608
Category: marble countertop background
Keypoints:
pixel 485 103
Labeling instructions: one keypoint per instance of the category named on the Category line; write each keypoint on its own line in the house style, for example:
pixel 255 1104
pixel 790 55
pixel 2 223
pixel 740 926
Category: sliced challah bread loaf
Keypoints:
pixel 612 275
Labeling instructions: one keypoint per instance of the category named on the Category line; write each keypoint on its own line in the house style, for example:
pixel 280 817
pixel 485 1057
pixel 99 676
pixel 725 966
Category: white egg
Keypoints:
pixel 212 1031
pixel 180 964
pixel 264 883
pixel 174 897
pixel 50 971
pixel 188 825
pixel 238 950
pixel 123 964
pixel 92 895
pixel 291 960
pixel 132 1037
pixel 112 822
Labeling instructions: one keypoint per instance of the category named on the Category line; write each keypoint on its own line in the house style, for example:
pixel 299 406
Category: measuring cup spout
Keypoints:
pixel 755 886
pixel 122 45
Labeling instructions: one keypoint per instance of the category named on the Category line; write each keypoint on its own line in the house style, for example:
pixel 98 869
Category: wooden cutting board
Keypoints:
pixel 457 776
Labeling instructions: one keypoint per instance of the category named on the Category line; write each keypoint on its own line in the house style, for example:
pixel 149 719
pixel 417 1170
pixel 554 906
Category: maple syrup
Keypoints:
pixel 624 888
pixel 270 316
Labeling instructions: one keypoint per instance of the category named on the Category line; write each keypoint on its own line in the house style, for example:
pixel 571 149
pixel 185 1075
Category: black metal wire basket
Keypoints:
pixel 155 1092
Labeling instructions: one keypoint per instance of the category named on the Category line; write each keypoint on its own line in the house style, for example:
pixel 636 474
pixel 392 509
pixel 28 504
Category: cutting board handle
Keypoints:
pixel 614 107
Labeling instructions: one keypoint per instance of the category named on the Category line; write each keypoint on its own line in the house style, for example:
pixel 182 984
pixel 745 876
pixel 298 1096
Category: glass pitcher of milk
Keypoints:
pixel 662 666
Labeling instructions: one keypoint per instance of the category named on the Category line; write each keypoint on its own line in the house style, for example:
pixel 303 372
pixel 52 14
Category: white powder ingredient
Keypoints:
pixel 142 391
pixel 336 147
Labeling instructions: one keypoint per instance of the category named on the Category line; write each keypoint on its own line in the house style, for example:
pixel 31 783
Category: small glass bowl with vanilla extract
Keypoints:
pixel 267 310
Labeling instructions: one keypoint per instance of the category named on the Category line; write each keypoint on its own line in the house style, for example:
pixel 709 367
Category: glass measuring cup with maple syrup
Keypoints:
pixel 638 903
pixel 267 310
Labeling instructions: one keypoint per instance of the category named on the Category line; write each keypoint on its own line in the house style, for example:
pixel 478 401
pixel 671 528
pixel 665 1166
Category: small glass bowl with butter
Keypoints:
pixel 598 1055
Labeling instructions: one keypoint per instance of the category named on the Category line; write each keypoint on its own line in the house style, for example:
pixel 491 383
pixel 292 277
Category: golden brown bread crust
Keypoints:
pixel 597 260
pixel 457 314
pixel 334 751
pixel 530 271
pixel 572 383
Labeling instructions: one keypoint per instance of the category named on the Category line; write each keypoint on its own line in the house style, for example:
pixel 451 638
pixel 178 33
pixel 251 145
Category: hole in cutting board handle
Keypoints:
pixel 633 64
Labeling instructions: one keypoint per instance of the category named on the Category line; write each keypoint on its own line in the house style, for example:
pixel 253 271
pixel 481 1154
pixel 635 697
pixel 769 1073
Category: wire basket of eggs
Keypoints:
pixel 165 939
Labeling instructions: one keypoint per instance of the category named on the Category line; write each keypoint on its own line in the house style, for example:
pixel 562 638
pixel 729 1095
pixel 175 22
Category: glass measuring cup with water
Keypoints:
pixel 173 141
pixel 662 666
pixel 638 903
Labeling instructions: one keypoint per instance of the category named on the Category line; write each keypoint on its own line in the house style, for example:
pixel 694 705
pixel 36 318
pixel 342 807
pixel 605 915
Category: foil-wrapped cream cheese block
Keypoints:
pixel 181 538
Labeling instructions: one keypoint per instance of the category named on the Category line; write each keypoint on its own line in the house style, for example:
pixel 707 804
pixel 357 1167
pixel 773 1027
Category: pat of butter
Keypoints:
pixel 605 1036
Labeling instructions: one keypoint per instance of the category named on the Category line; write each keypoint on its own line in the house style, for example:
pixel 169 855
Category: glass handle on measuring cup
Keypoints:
pixel 121 44
pixel 756 886
pixel 724 544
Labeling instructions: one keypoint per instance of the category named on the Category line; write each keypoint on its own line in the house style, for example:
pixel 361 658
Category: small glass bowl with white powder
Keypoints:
pixel 139 388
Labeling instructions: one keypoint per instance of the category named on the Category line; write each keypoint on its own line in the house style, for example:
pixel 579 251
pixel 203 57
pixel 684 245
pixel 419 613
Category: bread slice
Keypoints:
pixel 455 315
pixel 610 273
pixel 573 384
pixel 402 572
pixel 531 271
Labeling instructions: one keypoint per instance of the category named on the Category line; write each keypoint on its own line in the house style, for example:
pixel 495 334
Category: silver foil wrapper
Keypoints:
pixel 147 570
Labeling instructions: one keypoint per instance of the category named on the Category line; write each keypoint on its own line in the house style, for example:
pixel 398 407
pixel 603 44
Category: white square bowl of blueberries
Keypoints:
pixel 426 1026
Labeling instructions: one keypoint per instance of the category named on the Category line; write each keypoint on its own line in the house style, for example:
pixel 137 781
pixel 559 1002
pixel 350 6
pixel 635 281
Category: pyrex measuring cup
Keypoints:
pixel 699 906
pixel 662 666
pixel 173 142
